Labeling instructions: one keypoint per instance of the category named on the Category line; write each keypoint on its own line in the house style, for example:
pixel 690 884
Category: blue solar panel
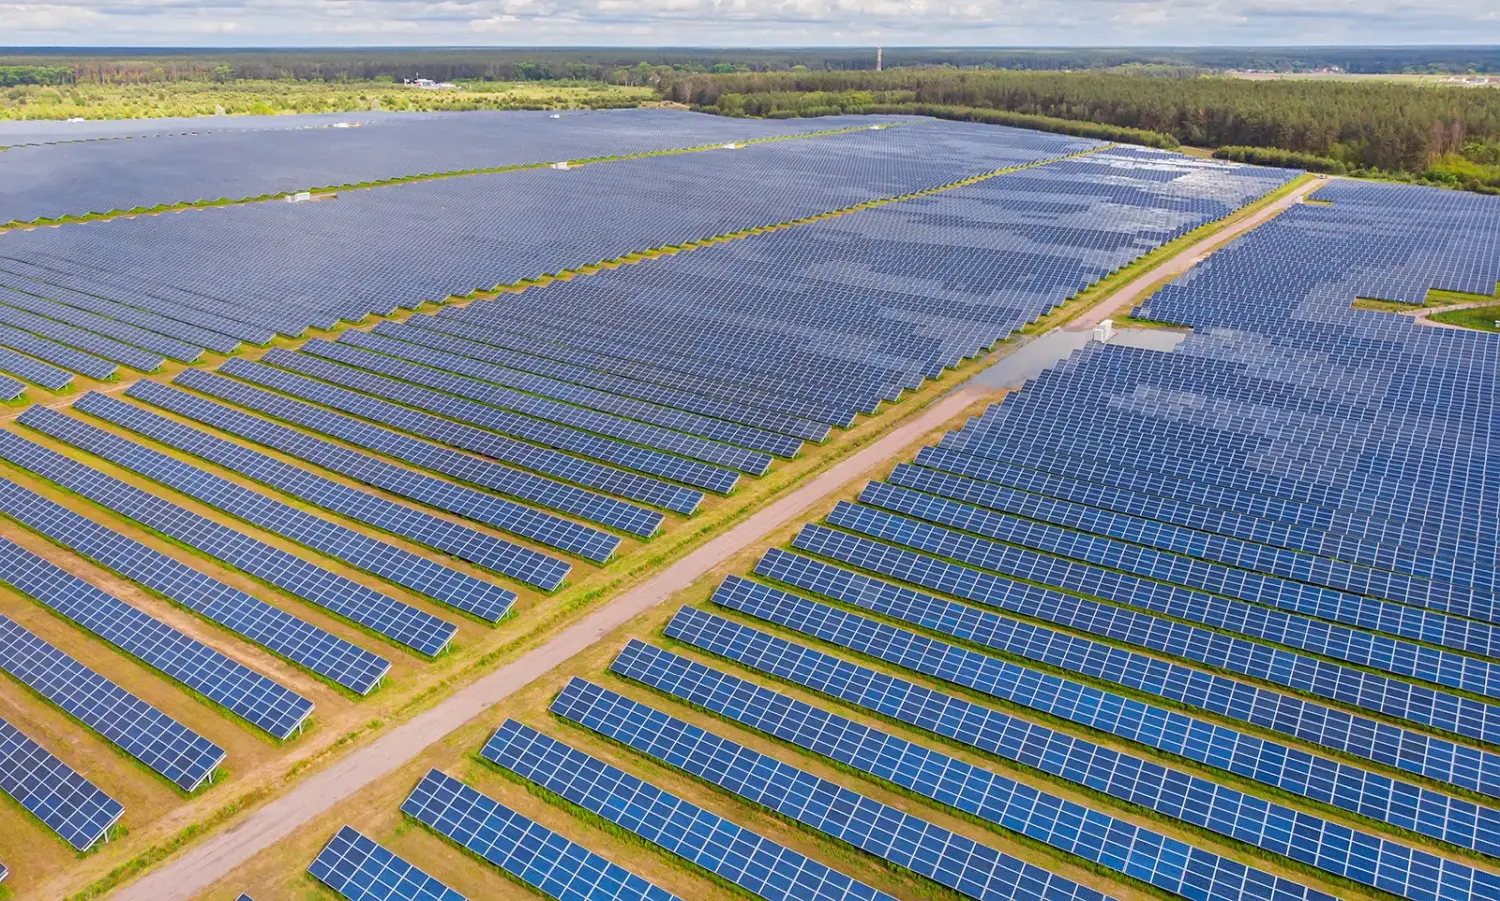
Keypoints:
pixel 58 354
pixel 751 861
pixel 553 531
pixel 1158 859
pixel 402 567
pixel 54 792
pixel 1110 583
pixel 450 337
pixel 361 870
pixel 626 517
pixel 521 847
pixel 278 631
pixel 540 459
pixel 1163 522
pixel 400 622
pixel 1362 737
pixel 1319 778
pixel 103 326
pixel 176 752
pixel 1298 672
pixel 546 433
pixel 1173 793
pixel 594 411
pixel 502 557
pixel 902 839
pixel 259 700
pixel 34 370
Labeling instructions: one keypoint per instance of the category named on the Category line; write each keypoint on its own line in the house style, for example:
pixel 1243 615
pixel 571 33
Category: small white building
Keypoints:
pixel 1104 331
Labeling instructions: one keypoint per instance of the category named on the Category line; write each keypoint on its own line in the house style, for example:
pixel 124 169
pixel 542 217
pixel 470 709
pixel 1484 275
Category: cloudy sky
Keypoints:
pixel 746 22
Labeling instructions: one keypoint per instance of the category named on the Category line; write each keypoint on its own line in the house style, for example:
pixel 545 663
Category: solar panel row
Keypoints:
pixel 276 630
pixel 1162 517
pixel 401 567
pixel 188 335
pixel 1298 772
pixel 361 870
pixel 1304 674
pixel 607 450
pixel 553 531
pixel 241 690
pixel 543 460
pixel 34 370
pixel 1307 838
pixel 101 325
pixel 902 839
pixel 473 470
pixel 710 430
pixel 525 849
pixel 1113 583
pixel 1160 860
pixel 54 792
pixel 384 615
pixel 750 861
pixel 440 534
pixel 1362 737
pixel 519 354
pixel 179 754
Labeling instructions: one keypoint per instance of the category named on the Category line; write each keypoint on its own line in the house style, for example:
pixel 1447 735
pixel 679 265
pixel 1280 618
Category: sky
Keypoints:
pixel 742 23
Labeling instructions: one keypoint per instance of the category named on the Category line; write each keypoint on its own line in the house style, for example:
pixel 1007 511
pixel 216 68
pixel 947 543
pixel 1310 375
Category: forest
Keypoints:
pixel 1440 133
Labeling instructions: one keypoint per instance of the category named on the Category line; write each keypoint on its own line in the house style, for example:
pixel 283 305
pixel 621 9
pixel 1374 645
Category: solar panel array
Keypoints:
pixel 527 850
pixel 293 638
pixel 466 244
pixel 752 862
pixel 499 556
pixel 54 792
pixel 209 159
pixel 241 690
pixel 903 839
pixel 1266 553
pixel 399 621
pixel 361 870
pixel 179 754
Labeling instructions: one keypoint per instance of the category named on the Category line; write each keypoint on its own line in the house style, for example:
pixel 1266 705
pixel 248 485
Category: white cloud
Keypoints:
pixel 749 22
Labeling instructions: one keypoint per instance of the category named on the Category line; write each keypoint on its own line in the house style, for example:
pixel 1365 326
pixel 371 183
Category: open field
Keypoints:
pixel 92 101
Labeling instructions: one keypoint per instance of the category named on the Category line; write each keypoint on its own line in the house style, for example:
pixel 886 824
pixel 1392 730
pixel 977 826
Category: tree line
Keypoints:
pixel 1355 126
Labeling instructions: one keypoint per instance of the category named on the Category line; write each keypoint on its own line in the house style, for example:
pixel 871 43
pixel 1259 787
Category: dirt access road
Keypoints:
pixel 1122 301
pixel 213 859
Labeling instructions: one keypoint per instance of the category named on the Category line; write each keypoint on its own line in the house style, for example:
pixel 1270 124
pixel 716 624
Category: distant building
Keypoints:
pixel 428 84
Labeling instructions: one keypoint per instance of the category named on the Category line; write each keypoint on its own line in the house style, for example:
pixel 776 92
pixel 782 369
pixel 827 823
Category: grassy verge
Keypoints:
pixel 1481 319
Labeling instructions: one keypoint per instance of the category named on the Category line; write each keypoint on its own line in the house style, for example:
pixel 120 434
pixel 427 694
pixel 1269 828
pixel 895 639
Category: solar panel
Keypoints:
pixel 494 554
pixel 606 450
pixel 296 640
pixel 34 371
pixel 540 459
pixel 60 355
pixel 1319 778
pixel 54 792
pixel 398 621
pixel 248 694
pixel 751 861
pixel 1365 738
pixel 402 567
pixel 901 839
pixel 626 517
pixel 179 754
pixel 361 870
pixel 1173 793
pixel 1111 584
pixel 553 531
pixel 1165 862
pixel 521 847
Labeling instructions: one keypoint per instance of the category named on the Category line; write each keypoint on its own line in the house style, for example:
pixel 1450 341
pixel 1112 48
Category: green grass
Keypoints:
pixel 1480 319
pixel 1436 297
